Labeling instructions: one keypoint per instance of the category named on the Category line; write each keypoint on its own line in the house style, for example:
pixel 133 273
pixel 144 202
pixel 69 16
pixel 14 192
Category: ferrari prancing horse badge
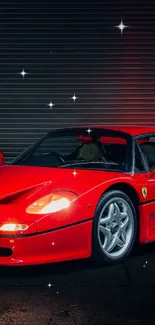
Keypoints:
pixel 144 192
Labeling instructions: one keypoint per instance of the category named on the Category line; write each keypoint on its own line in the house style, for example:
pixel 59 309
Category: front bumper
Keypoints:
pixel 68 243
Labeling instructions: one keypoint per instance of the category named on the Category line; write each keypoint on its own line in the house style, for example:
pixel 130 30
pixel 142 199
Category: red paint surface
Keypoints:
pixel 66 234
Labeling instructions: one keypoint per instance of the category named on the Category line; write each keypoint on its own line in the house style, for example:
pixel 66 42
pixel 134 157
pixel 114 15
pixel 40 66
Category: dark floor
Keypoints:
pixel 81 293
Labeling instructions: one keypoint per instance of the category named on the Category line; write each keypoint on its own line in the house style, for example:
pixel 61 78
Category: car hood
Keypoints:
pixel 21 186
pixel 18 180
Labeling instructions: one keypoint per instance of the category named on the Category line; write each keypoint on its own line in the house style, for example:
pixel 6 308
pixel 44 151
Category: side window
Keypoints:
pixel 148 150
pixel 139 164
pixel 146 145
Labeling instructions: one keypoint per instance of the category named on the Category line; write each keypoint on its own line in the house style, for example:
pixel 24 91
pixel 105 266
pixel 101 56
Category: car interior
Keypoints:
pixel 98 151
pixel 148 151
pixel 91 151
pixel 111 150
pixel 117 153
pixel 108 150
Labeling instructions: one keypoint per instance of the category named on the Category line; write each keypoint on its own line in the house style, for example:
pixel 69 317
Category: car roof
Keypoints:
pixel 131 130
pixel 127 129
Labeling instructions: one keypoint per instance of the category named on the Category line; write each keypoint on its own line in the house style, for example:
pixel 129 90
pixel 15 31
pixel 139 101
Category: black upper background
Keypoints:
pixel 73 47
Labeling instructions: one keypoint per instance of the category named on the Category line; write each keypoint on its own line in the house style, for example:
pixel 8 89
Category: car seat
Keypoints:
pixel 91 151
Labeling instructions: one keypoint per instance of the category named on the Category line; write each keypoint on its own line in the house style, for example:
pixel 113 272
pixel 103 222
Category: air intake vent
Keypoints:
pixel 5 252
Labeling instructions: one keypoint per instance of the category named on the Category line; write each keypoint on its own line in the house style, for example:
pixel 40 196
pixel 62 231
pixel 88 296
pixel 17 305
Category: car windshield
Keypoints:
pixel 80 148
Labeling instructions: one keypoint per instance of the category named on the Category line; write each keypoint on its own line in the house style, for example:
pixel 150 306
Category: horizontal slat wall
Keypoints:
pixel 73 47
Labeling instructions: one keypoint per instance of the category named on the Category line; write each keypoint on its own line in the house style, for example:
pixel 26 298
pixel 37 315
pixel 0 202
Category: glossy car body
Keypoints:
pixel 67 234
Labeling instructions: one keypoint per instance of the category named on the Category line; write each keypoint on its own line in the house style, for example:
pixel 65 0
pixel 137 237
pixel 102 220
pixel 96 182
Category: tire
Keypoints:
pixel 113 238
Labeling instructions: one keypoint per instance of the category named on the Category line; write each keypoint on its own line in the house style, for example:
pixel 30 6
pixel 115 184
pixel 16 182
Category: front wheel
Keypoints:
pixel 114 228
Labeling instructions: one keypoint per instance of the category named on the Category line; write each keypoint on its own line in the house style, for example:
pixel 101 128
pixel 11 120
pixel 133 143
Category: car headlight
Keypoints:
pixel 13 227
pixel 53 202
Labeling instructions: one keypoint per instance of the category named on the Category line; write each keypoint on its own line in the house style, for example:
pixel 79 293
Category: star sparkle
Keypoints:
pixel 51 104
pixel 74 173
pixel 53 243
pixel 74 97
pixel 50 285
pixel 23 73
pixel 144 265
pixel 89 131
pixel 121 26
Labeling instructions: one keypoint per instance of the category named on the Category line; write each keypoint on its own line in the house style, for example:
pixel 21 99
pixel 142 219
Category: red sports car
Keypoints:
pixel 79 193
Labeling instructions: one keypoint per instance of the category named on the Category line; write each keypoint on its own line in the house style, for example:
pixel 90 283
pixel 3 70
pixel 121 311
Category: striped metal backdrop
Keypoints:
pixel 74 49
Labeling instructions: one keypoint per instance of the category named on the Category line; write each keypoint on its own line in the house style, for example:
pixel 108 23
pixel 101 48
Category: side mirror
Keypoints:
pixel 1 158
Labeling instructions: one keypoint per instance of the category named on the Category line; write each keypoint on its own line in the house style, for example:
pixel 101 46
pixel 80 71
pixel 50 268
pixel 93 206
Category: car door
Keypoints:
pixel 147 149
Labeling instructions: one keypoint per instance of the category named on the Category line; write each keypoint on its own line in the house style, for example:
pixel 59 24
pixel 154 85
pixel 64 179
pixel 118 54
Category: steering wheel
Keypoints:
pixel 56 155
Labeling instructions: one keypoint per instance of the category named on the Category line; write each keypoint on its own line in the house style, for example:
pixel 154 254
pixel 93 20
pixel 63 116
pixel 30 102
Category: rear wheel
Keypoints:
pixel 114 228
